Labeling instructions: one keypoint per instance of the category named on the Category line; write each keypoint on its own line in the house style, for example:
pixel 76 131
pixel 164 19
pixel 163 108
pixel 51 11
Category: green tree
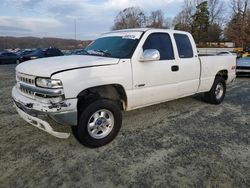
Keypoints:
pixel 207 15
pixel 214 32
pixel 200 23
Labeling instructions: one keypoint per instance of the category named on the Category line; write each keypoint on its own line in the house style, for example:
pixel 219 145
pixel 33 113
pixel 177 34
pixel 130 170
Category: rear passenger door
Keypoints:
pixel 154 81
pixel 189 65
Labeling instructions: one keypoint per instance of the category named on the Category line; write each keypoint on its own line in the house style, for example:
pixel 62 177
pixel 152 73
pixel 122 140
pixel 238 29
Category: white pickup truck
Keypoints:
pixel 120 71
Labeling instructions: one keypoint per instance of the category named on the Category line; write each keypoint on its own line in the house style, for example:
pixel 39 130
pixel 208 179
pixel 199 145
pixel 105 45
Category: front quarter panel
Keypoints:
pixel 76 80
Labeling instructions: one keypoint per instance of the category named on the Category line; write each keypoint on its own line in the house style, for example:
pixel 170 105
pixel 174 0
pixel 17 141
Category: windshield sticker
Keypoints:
pixel 132 37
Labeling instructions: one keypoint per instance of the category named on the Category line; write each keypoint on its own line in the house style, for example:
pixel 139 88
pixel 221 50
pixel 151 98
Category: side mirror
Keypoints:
pixel 150 55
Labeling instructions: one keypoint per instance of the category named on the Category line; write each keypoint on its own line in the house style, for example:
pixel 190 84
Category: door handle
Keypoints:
pixel 175 68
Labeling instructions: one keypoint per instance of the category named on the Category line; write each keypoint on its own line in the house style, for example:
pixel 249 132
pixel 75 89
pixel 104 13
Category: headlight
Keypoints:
pixel 33 57
pixel 48 83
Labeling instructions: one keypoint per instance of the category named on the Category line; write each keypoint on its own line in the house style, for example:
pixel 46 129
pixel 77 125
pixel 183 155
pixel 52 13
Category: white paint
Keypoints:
pixel 46 66
pixel 214 50
pixel 158 83
pixel 124 34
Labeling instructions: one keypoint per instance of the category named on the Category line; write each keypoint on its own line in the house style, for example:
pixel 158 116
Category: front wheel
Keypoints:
pixel 99 123
pixel 217 93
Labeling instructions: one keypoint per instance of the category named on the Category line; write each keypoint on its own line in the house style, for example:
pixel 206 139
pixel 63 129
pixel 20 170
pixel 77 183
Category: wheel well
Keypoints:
pixel 223 74
pixel 113 92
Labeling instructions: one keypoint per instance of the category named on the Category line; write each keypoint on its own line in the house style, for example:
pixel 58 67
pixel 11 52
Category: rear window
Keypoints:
pixel 184 46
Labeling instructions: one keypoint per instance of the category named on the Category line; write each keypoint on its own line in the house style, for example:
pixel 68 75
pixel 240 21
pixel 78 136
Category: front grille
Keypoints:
pixel 27 79
pixel 24 79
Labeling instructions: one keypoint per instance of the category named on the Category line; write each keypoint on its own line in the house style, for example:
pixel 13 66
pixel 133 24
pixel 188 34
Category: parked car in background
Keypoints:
pixel 22 53
pixel 67 52
pixel 243 66
pixel 75 52
pixel 40 53
pixel 7 57
pixel 25 52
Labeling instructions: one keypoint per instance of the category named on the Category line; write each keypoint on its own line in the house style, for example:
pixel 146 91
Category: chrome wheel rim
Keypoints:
pixel 100 124
pixel 219 91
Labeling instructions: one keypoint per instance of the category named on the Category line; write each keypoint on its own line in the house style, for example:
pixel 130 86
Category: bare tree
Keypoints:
pixel 237 28
pixel 240 6
pixel 183 20
pixel 131 17
pixel 216 11
pixel 157 20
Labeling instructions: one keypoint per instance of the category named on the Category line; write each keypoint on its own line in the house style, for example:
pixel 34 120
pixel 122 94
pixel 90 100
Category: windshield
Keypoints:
pixel 115 46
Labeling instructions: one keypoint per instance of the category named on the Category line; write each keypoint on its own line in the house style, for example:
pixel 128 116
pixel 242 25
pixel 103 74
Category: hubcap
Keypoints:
pixel 100 124
pixel 219 91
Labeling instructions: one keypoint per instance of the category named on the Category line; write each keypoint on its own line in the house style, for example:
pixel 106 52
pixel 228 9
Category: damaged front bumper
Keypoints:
pixel 36 113
pixel 40 124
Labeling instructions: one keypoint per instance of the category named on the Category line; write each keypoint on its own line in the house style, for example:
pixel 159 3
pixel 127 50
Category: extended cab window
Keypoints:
pixel 162 43
pixel 184 46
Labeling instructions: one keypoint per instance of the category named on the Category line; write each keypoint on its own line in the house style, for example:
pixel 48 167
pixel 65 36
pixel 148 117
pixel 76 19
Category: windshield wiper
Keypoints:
pixel 105 53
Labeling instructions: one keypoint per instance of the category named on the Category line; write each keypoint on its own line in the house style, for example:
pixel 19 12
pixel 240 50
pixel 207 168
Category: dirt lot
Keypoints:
pixel 183 143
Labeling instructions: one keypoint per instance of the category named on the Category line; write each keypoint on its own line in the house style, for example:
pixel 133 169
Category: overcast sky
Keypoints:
pixel 55 18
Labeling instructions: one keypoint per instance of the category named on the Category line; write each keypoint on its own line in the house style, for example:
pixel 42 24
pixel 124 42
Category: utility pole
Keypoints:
pixel 75 32
pixel 75 28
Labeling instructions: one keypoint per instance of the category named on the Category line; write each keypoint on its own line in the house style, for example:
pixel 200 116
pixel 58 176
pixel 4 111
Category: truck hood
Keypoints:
pixel 45 67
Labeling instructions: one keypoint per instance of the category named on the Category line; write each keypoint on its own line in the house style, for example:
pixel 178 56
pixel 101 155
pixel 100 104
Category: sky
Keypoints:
pixel 57 18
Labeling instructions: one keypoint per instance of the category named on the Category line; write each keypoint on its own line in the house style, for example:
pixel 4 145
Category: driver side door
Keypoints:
pixel 155 81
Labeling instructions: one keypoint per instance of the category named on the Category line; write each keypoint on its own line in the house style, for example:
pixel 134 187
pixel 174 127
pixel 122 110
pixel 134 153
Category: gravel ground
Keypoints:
pixel 182 143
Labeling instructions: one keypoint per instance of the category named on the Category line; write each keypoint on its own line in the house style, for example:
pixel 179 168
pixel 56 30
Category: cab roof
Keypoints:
pixel 145 30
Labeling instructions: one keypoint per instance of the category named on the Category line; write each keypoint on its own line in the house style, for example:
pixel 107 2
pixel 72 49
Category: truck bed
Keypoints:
pixel 210 64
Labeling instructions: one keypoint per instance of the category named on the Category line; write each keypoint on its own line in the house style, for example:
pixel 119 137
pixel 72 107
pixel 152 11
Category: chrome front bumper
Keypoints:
pixel 35 112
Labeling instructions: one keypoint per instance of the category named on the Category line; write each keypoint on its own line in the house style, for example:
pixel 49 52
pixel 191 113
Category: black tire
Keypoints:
pixel 81 131
pixel 212 96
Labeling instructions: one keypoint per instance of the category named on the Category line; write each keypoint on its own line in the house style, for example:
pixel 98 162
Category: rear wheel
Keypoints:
pixel 217 93
pixel 99 123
